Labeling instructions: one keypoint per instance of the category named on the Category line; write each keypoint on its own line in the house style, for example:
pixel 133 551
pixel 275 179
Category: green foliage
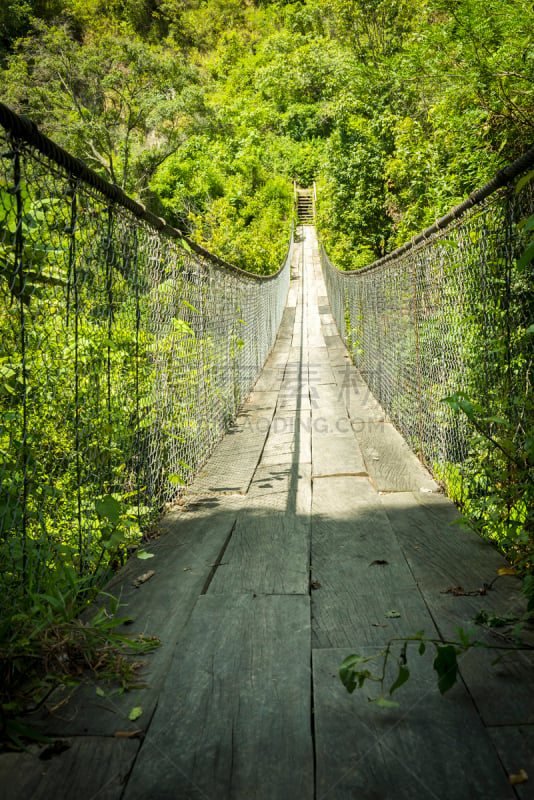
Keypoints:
pixel 54 642
pixel 355 671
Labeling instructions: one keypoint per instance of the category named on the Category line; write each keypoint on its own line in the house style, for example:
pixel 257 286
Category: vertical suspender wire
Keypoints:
pixel 417 358
pixel 137 453
pixel 510 389
pixel 109 293
pixel 18 277
pixel 73 282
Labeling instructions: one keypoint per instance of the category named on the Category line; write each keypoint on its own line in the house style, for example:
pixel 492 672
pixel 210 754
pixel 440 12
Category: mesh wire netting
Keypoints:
pixel 124 356
pixel 449 315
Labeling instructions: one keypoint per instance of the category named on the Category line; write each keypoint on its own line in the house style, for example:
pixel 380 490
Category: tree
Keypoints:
pixel 119 103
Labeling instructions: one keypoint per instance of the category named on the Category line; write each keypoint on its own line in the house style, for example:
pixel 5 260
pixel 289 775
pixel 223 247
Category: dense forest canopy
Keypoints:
pixel 208 110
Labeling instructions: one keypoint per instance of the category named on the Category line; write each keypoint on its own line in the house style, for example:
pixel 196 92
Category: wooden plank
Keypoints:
pixel 441 552
pixel 515 745
pixel 331 420
pixel 318 356
pixel 444 556
pixel 329 329
pixel 336 454
pixel 390 462
pixel 431 748
pixel 269 379
pixel 287 449
pixel 87 768
pixel 260 401
pixel 291 483
pixel 326 396
pixel 237 720
pixel 341 618
pixel 321 375
pixel 268 553
pixel 350 530
pixel 232 465
pixel 183 559
pixel 503 692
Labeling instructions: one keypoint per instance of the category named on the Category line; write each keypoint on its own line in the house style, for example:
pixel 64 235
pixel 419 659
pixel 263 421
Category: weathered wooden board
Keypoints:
pixel 431 748
pixel 335 342
pixel 515 745
pixel 289 420
pixel 278 357
pixel 390 462
pixel 441 552
pixel 341 618
pixel 318 356
pixel 326 316
pixel 294 403
pixel 326 396
pixel 88 768
pixel 183 561
pixel 446 560
pixel 259 401
pixel 503 692
pixel 336 454
pixel 315 340
pixel 287 448
pixel 236 721
pixel 329 329
pixel 232 465
pixel 331 420
pixel 322 374
pixel 350 530
pixel 268 553
pixel 291 484
pixel 269 380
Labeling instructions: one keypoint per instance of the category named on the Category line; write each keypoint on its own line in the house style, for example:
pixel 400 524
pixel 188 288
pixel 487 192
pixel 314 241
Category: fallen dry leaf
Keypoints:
pixel 521 777
pixel 127 734
pixel 459 591
pixel 144 577
pixel 392 614
pixel 378 562
pixel 315 585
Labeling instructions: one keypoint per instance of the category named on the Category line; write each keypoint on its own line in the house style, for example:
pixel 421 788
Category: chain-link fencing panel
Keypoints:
pixel 452 314
pixel 125 353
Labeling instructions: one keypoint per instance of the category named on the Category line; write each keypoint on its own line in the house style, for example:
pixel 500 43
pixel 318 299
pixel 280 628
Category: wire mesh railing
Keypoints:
pixel 450 313
pixel 125 353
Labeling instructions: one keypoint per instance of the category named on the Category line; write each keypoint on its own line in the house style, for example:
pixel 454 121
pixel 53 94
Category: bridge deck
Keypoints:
pixel 309 524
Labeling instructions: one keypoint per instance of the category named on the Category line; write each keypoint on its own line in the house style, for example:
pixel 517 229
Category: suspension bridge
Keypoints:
pixel 309 531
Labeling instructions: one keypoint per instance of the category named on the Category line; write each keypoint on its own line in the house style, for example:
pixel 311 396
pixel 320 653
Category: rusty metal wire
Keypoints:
pixel 125 353
pixel 447 314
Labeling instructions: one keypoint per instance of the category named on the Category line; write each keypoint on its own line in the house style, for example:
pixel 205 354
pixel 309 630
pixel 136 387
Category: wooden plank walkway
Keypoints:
pixel 309 524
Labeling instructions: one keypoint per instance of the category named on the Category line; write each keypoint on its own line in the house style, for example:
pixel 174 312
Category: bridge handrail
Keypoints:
pixel 502 178
pixel 450 313
pixel 126 352
pixel 28 131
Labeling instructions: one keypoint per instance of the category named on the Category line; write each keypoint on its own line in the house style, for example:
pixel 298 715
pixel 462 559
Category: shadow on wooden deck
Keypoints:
pixel 310 524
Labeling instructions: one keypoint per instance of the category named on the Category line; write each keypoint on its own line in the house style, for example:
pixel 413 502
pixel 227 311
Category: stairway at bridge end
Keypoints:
pixel 305 206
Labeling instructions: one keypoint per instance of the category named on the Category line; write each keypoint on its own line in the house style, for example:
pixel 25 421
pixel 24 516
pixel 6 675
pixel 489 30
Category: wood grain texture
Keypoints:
pixel 390 462
pixel 232 465
pixel 183 561
pixel 336 454
pixel 268 552
pixel 339 619
pixel 503 692
pixel 350 530
pixel 236 723
pixel 515 745
pixel 89 768
pixel 431 748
